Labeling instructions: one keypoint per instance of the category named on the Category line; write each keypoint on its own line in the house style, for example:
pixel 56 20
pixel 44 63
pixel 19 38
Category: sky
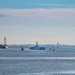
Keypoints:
pixel 44 21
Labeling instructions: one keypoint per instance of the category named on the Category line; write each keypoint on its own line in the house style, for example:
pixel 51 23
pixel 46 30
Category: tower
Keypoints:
pixel 57 43
pixel 4 41
pixel 36 43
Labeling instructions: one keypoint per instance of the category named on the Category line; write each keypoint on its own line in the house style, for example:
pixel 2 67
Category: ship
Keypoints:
pixel 37 47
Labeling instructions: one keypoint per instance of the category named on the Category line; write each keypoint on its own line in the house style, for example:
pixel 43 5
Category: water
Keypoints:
pixel 17 62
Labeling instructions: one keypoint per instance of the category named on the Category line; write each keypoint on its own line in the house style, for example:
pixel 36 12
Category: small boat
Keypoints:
pixel 22 48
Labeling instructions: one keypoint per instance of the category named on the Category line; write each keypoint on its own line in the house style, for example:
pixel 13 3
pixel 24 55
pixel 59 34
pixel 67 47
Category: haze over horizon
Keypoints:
pixel 45 21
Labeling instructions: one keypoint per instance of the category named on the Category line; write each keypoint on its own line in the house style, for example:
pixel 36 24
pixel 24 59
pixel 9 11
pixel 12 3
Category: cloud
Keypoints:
pixel 39 12
pixel 2 15
pixel 42 23
pixel 57 5
pixel 40 16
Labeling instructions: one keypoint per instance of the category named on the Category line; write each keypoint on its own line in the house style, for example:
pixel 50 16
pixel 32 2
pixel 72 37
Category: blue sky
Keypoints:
pixel 45 21
pixel 36 3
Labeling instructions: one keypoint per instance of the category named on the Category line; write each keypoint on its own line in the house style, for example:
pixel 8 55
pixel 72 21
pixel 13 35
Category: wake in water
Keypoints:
pixel 37 58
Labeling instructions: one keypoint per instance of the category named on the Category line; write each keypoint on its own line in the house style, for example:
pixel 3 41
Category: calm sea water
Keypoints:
pixel 31 62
